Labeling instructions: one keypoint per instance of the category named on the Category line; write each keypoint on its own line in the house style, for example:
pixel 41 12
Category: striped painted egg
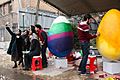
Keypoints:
pixel 60 37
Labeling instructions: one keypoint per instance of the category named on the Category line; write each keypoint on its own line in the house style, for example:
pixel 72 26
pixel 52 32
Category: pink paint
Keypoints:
pixel 56 36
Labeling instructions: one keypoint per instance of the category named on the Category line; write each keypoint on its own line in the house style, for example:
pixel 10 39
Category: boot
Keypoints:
pixel 15 66
pixel 22 64
pixel 19 62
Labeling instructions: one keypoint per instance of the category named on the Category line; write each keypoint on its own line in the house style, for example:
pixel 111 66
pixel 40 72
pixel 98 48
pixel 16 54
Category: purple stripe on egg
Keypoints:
pixel 56 36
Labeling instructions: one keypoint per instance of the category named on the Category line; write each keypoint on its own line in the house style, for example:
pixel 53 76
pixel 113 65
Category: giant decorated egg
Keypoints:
pixel 108 43
pixel 60 37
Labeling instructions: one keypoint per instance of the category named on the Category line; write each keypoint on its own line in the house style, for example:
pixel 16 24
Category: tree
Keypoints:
pixel 37 9
pixel 76 42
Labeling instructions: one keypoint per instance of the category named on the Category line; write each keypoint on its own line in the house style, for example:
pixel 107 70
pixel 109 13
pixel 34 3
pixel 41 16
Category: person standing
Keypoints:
pixel 43 39
pixel 84 38
pixel 15 46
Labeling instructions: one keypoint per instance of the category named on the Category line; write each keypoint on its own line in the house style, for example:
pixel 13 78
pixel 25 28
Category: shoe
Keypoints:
pixel 19 63
pixel 83 74
pixel 15 66
pixel 79 71
pixel 22 65
pixel 26 69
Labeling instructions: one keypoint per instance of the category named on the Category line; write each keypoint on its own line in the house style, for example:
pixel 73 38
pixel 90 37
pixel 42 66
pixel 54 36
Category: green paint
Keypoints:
pixel 60 28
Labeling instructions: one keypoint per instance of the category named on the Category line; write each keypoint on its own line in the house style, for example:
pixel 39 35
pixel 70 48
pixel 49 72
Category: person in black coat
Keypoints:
pixel 34 49
pixel 26 40
pixel 15 46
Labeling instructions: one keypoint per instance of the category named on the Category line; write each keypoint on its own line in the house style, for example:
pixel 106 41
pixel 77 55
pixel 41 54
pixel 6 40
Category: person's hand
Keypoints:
pixel 41 42
pixel 97 34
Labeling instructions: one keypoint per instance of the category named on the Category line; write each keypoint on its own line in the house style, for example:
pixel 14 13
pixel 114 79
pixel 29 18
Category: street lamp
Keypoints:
pixel 23 15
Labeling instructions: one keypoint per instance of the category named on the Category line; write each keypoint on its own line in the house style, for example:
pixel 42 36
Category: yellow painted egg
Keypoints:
pixel 108 43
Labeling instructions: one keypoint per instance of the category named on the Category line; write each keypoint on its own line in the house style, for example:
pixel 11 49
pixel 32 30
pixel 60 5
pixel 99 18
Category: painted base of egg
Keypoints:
pixel 61 63
pixel 111 67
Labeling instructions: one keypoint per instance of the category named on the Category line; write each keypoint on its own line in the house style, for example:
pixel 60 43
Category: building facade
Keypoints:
pixel 21 14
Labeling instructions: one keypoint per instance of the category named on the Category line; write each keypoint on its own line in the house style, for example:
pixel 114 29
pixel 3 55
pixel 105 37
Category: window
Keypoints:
pixel 2 31
pixel 4 9
pixel 9 7
pixel 0 10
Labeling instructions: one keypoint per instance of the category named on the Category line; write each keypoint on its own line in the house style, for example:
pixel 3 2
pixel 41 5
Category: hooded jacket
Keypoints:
pixel 83 32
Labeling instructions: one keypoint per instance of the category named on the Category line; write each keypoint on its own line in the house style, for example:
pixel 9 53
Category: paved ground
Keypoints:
pixel 7 73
